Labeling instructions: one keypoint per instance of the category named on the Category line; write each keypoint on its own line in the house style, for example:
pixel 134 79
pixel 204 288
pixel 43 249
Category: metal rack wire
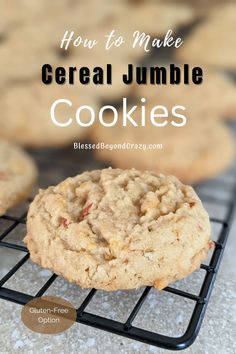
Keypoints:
pixel 127 328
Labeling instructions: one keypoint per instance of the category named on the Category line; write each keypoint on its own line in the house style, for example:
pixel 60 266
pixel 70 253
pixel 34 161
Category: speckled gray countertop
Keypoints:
pixel 163 312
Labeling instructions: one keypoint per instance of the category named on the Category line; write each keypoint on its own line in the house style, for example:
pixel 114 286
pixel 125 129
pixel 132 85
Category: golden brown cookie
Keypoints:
pixel 214 97
pixel 200 5
pixel 118 229
pixel 26 118
pixel 15 14
pixel 213 41
pixel 153 17
pixel 24 52
pixel 105 92
pixel 37 40
pixel 190 152
pixel 17 175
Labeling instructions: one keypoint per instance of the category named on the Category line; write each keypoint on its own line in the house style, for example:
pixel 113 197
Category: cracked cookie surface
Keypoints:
pixel 17 175
pixel 118 229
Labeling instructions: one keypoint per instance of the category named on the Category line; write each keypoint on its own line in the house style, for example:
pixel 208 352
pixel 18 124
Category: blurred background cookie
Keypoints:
pixel 189 152
pixel 214 97
pixel 17 175
pixel 18 13
pixel 34 40
pixel 102 92
pixel 26 118
pixel 37 39
pixel 213 41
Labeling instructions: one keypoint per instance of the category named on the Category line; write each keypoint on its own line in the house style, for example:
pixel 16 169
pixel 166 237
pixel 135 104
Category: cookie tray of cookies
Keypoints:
pixel 210 192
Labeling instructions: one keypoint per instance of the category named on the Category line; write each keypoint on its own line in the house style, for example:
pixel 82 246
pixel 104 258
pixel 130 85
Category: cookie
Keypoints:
pixel 106 12
pixel 155 18
pixel 25 117
pixel 190 152
pixel 34 36
pixel 200 5
pixel 17 175
pixel 212 41
pixel 117 229
pixel 37 40
pixel 104 92
pixel 150 18
pixel 16 13
pixel 26 50
pixel 214 97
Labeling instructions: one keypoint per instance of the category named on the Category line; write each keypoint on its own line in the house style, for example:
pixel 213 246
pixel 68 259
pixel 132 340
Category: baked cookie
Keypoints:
pixel 24 52
pixel 37 40
pixel 190 152
pixel 212 41
pixel 103 92
pixel 118 229
pixel 17 175
pixel 15 14
pixel 200 5
pixel 215 96
pixel 155 18
pixel 106 12
pixel 25 117
pixel 152 18
pixel 18 15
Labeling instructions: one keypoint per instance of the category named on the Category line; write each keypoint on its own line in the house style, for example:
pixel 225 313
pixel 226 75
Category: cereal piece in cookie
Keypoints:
pixel 17 175
pixel 117 229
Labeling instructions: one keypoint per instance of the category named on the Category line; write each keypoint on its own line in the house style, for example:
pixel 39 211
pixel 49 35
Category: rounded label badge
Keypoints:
pixel 48 314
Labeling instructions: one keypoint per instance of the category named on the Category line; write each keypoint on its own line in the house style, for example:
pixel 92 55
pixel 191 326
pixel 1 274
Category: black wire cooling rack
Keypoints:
pixel 212 192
